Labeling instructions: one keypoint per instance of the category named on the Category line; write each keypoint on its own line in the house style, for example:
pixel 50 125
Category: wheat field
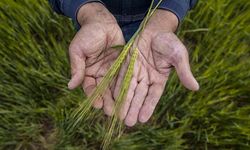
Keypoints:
pixel 35 101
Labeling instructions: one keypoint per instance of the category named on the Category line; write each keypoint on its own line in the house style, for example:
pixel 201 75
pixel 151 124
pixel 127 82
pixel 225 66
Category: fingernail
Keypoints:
pixel 70 85
pixel 129 122
pixel 143 118
pixel 196 87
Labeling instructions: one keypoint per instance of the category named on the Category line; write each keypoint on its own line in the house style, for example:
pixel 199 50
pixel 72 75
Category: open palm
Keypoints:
pixel 91 56
pixel 158 52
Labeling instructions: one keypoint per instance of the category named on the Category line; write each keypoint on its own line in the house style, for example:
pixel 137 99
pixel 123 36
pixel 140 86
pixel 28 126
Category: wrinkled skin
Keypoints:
pixel 156 58
pixel 160 50
pixel 91 54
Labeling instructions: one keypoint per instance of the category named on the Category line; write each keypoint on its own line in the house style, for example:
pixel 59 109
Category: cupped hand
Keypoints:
pixel 90 51
pixel 159 51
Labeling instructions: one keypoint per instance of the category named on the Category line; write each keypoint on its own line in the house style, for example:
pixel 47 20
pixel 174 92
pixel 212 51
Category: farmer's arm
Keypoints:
pixel 178 7
pixel 70 8
pixel 173 9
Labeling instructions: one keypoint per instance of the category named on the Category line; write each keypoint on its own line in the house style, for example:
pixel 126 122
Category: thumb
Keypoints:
pixel 184 73
pixel 77 61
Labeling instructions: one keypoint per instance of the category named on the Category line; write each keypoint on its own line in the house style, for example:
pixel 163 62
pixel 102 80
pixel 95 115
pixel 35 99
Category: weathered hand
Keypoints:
pixel 90 51
pixel 159 50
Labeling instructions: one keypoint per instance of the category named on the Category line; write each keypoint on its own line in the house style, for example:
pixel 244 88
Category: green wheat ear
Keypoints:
pixel 114 123
pixel 113 127
pixel 84 110
pixel 118 47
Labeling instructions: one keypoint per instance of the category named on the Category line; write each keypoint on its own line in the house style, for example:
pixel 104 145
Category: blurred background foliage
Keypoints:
pixel 34 71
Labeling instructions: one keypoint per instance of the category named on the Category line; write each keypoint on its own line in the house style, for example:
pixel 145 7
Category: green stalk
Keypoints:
pixel 115 125
pixel 84 110
pixel 122 94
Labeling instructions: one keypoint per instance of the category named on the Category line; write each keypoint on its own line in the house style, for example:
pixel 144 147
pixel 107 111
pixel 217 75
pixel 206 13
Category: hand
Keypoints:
pixel 159 50
pixel 90 51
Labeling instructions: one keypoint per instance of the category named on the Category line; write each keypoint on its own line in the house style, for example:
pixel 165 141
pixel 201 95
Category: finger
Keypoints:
pixel 108 102
pixel 98 103
pixel 132 86
pixel 77 61
pixel 89 86
pixel 120 78
pixel 112 87
pixel 184 73
pixel 108 99
pixel 154 94
pixel 136 104
pixel 129 97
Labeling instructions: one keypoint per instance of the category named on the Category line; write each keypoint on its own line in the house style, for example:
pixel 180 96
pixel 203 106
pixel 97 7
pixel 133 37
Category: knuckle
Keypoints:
pixel 176 56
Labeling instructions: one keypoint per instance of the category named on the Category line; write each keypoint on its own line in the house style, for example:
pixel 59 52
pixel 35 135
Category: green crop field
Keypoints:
pixel 34 71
